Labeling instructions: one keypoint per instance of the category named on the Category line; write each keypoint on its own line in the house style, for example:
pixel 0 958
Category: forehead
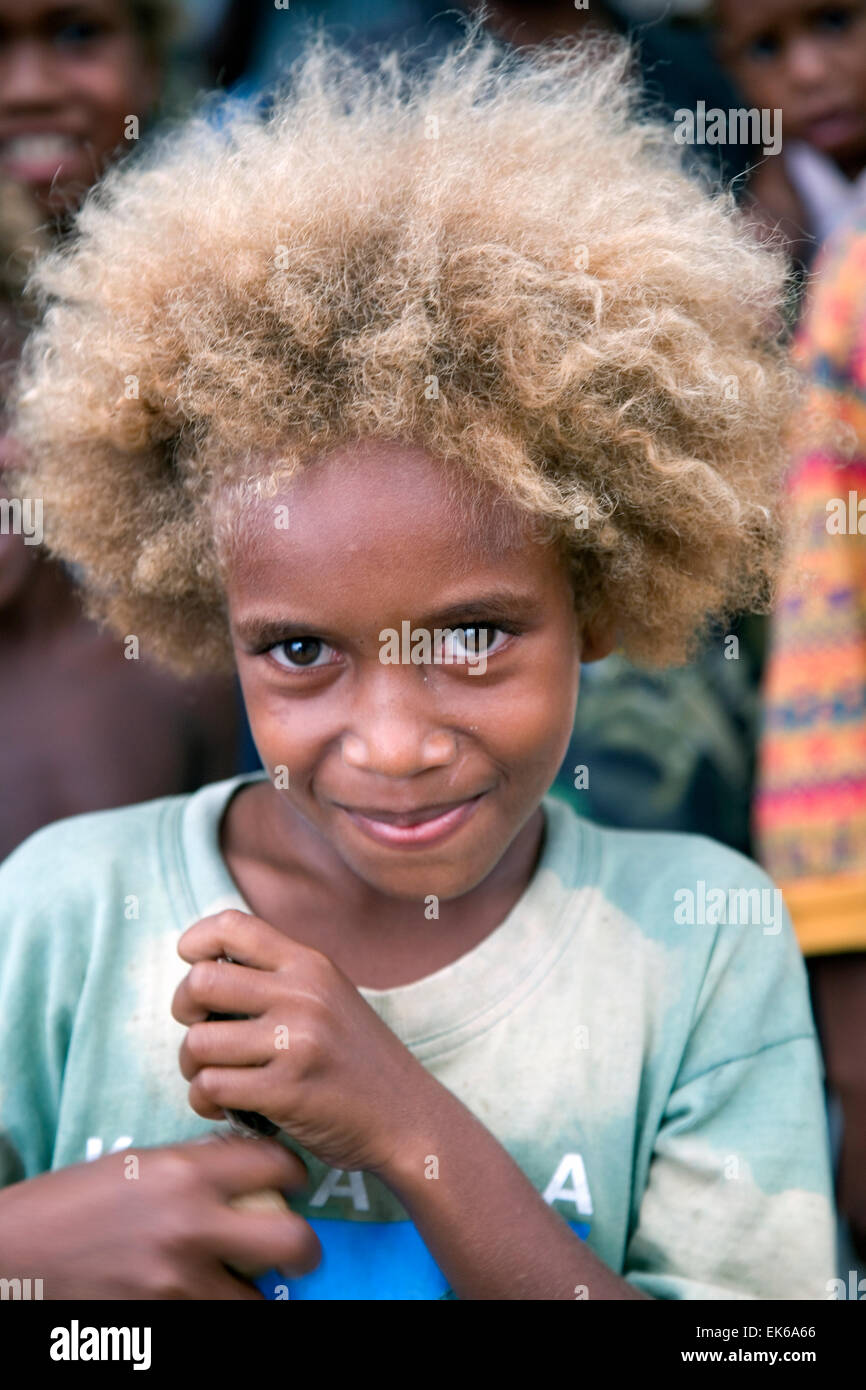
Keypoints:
pixel 389 498
pixel 385 518
pixel 745 18
pixel 33 12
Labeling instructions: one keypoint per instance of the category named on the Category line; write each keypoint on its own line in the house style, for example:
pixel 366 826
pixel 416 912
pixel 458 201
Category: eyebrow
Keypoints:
pixel 265 631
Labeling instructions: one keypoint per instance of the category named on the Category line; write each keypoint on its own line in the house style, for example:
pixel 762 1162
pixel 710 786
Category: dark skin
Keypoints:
pixel 806 58
pixel 374 539
pixel 354 899
pixel 122 730
pixel 74 71
pixel 370 545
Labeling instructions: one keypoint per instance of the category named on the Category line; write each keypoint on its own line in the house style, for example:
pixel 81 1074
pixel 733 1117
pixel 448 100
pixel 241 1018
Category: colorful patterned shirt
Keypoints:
pixel 810 808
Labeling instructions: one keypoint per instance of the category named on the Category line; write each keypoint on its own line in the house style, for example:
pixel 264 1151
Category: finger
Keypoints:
pixel 214 986
pixel 268 1239
pixel 215 1089
pixel 241 1043
pixel 234 1165
pixel 221 1284
pixel 207 1109
pixel 247 939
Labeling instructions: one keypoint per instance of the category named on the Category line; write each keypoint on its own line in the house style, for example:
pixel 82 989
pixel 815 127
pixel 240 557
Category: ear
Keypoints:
pixel 596 644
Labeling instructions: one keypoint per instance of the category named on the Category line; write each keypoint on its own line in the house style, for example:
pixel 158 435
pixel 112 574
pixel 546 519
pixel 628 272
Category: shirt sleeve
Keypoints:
pixel 41 969
pixel 738 1200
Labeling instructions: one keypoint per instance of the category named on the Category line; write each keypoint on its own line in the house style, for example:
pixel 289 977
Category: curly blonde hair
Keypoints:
pixel 498 258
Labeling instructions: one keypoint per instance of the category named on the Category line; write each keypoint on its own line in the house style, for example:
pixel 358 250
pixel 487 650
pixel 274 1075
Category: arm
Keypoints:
pixel 314 1057
pixel 731 1187
pixel 734 1190
pixel 458 1203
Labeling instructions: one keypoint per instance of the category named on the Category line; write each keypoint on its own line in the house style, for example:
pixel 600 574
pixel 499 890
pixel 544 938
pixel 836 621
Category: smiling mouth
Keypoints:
pixel 831 124
pixel 420 826
pixel 41 153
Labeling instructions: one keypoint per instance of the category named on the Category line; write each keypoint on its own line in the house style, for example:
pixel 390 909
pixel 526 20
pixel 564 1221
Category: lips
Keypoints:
pixel 832 127
pixel 37 154
pixel 421 826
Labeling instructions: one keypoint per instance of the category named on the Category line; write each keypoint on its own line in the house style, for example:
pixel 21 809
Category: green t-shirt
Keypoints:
pixel 636 1034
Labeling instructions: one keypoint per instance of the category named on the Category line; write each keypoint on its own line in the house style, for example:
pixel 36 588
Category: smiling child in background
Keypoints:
pixel 807 59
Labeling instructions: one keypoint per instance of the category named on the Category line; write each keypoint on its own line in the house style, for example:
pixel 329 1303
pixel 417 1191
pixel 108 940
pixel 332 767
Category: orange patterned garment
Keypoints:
pixel 810 806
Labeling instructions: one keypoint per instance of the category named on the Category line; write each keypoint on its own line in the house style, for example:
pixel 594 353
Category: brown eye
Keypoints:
pixel 298 652
pixel 470 641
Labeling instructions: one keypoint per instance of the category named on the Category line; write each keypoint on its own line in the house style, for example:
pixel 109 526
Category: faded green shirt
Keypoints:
pixel 636 1033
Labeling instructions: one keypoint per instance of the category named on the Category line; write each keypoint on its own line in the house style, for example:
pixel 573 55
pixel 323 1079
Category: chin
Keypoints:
pixel 415 883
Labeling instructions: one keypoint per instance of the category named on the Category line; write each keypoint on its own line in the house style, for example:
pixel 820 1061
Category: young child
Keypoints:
pixel 806 59
pixel 447 385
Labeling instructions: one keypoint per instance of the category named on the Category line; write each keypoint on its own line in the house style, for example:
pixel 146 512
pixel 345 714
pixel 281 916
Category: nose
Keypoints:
pixel 396 733
pixel 30 77
pixel 807 63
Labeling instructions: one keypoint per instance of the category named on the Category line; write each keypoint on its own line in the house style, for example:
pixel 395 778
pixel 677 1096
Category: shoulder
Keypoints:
pixel 709 908
pixel 721 916
pixel 650 867
pixel 84 846
pixel 101 855
pixel 701 939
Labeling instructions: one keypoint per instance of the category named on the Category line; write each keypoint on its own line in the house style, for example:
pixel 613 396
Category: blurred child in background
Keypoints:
pixel 87 721
pixel 806 58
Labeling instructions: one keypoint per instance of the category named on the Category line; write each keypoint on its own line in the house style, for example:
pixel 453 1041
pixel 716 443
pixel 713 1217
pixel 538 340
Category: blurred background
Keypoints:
pixel 761 740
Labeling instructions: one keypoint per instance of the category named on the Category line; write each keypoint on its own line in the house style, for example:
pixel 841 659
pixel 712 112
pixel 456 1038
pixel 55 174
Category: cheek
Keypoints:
pixel 291 733
pixel 529 723
pixel 852 61
pixel 111 89
pixel 539 724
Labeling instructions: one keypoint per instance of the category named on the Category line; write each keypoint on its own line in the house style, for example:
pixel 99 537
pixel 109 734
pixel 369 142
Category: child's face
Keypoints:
pixel 807 59
pixel 373 540
pixel 70 75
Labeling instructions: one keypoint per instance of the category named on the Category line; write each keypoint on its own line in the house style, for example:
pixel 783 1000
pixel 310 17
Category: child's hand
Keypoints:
pixel 312 1056
pixel 95 1231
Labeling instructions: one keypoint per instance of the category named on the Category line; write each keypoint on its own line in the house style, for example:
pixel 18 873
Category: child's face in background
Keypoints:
pixel 807 59
pixel 374 540
pixel 70 75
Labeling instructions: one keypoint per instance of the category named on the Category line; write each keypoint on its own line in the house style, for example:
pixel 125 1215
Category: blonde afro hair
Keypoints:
pixel 494 257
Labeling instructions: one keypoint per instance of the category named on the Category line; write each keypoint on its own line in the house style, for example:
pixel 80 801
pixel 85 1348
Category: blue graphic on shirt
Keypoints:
pixel 369 1260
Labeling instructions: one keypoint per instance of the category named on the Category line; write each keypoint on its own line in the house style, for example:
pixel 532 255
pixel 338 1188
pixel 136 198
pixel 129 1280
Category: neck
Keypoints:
pixel 367 906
